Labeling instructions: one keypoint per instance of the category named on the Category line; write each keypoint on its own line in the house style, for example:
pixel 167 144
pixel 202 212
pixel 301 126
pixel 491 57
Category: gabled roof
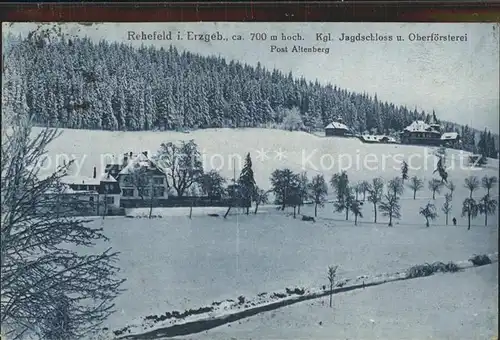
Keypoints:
pixel 112 167
pixel 140 160
pixel 107 178
pixel 80 180
pixel 337 125
pixel 378 138
pixel 449 135
pixel 420 126
pixel 388 138
pixel 65 189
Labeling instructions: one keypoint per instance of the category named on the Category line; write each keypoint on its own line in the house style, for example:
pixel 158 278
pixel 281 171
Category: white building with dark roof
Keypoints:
pixel 377 139
pixel 102 193
pixel 450 139
pixel 337 128
pixel 420 132
pixel 138 191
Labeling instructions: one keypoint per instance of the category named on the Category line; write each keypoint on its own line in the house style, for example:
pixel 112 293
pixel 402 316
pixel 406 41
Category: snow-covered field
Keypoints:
pixel 175 263
pixel 445 306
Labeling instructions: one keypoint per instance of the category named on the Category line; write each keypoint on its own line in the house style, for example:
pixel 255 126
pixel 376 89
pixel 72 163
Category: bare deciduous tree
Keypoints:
pixel 212 184
pixel 447 206
pixel 42 270
pixel 364 186
pixel 487 206
pixel 435 186
pixel 182 163
pixel 261 196
pixel 451 187
pixel 376 192
pixel 140 178
pixel 318 190
pixel 390 206
pixel 395 186
pixel 488 183
pixel 340 184
pixel 429 212
pixel 332 272
pixel 471 184
pixel 356 210
pixel 292 119
pixel 303 190
pixel 470 208
pixel 415 185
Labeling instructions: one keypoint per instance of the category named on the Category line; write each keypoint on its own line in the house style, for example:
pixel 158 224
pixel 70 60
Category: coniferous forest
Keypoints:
pixel 81 84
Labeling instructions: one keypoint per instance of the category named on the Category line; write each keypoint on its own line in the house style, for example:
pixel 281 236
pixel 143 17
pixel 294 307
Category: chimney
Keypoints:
pixel 95 172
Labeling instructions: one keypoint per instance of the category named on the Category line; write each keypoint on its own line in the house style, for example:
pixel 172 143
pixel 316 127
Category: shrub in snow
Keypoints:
pixel 480 260
pixel 296 291
pixel 427 269
pixel 420 270
pixel 332 273
pixel 278 296
pixel 178 315
pixel 308 218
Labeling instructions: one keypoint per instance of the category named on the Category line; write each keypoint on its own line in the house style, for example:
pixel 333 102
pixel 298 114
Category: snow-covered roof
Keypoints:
pixel 140 160
pixel 420 126
pixel 377 138
pixel 107 178
pixel 80 180
pixel 449 135
pixel 337 125
pixel 65 189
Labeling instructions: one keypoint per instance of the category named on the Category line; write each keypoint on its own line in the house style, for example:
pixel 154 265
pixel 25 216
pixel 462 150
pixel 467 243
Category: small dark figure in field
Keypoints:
pixel 454 221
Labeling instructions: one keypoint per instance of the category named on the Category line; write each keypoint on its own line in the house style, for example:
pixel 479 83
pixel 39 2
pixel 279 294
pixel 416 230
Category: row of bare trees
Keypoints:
pixel 471 207
pixel 486 205
pixel 293 189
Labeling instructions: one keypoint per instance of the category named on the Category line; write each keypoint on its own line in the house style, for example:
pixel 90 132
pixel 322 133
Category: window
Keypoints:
pixel 110 200
pixel 128 192
pixel 145 192
pixel 158 180
pixel 91 198
pixel 158 192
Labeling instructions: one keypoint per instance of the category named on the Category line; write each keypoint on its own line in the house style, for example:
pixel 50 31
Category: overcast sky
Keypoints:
pixel 459 80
